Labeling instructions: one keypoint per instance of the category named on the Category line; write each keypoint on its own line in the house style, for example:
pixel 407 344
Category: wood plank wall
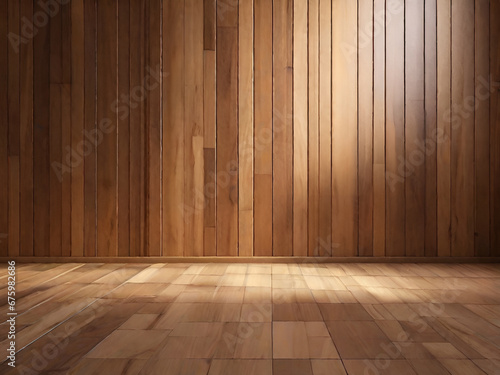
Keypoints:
pixel 250 128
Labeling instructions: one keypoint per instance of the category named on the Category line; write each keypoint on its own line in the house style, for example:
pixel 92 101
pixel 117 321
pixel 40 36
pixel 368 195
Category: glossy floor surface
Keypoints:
pixel 255 319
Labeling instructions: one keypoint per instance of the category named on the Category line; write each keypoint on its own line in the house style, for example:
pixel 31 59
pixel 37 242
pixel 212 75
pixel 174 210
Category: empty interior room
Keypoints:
pixel 251 187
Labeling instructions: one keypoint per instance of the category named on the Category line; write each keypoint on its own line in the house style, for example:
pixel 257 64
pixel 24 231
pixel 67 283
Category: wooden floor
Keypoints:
pixel 262 319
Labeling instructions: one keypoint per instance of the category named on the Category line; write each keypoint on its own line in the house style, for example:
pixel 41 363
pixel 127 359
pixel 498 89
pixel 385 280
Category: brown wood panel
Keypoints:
pixel 173 128
pixel 193 127
pixel 122 108
pixel 55 147
pixel 494 129
pixel 313 127
pixel 379 128
pixel 415 128
pixel 482 129
pixel 444 127
pixel 300 140
pixel 209 96
pixel 227 139
pixel 246 128
pixel 41 118
pixel 210 24
pixel 430 128
pixel 345 130
pixel 365 126
pixel 282 127
pixel 107 83
pixel 462 128
pixel 26 138
pixel 325 125
pixel 67 178
pixel 4 128
pixel 152 84
pixel 263 114
pixel 137 203
pixel 14 215
pixel 90 213
pixel 395 131
pixel 77 126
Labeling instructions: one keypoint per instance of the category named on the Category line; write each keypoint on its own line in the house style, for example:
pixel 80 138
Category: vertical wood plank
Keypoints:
pixel 107 238
pixel 325 123
pixel 313 127
pixel 365 126
pixel 482 129
pixel 66 64
pixel 395 130
pixel 263 60
pixel 245 131
pixel 66 182
pixel 282 127
pixel 55 147
pixel 209 108
pixel 13 206
pixel 14 128
pixel 90 187
pixel 495 129
pixel 415 128
pixel 227 133
pixel 41 162
pixel 77 125
pixel 431 135
pixel 173 128
pixel 210 188
pixel 152 85
pixel 193 128
pixel 137 133
pixel 379 12
pixel 123 110
pixel 344 129
pixel 444 127
pixel 300 140
pixel 26 137
pixel 210 24
pixel 462 148
pixel 4 128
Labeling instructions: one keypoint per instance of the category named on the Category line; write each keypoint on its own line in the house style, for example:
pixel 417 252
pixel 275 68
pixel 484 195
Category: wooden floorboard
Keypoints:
pixel 269 318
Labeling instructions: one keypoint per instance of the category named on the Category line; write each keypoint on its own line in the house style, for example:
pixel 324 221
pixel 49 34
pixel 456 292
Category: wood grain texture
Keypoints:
pixel 430 128
pixel 325 126
pixel 415 156
pixel 462 128
pixel 345 130
pixel 395 131
pixel 26 139
pixel 444 127
pixel 482 129
pixel 77 126
pixel 365 127
pixel 379 73
pixel 282 127
pixel 227 139
pixel 249 128
pixel 263 117
pixel 173 128
pixel 300 139
pixel 4 129
pixel 193 127
pixel 107 122
pixel 246 128
pixel 313 127
pixel 494 131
